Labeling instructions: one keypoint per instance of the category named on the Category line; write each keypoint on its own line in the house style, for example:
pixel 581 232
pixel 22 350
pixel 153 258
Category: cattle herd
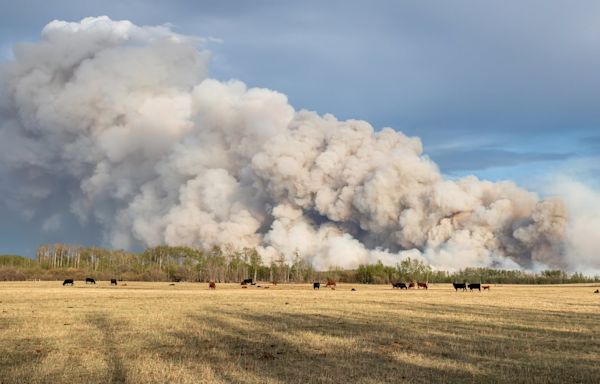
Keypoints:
pixel 330 284
pixel 88 280
pixel 471 287
pixel 316 285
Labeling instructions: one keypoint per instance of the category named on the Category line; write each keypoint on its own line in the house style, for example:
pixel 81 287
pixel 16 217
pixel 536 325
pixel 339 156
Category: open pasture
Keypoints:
pixel 186 333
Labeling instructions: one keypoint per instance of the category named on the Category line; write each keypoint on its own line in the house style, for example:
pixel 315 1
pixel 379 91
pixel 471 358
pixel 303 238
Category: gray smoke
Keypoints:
pixel 121 126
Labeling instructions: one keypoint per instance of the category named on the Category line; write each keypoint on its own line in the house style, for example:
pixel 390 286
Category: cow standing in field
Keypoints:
pixel 458 286
pixel 485 287
pixel 330 283
pixel 90 280
pixel 68 282
pixel 212 285
pixel 399 285
pixel 476 286
pixel 597 291
pixel 316 285
pixel 113 281
pixel 411 285
pixel 247 281
pixel 421 285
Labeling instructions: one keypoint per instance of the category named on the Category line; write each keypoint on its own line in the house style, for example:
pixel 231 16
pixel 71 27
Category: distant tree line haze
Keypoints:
pixel 225 264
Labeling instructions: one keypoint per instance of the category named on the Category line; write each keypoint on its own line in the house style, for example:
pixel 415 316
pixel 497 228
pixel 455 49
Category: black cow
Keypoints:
pixel 597 291
pixel 475 286
pixel 68 282
pixel 247 281
pixel 316 285
pixel 458 286
pixel 113 281
pixel 90 280
pixel 399 285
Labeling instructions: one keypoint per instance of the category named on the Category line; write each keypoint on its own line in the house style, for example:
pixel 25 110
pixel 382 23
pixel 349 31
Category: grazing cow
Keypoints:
pixel 247 281
pixel 68 282
pixel 411 285
pixel 475 286
pixel 485 287
pixel 458 286
pixel 90 280
pixel 399 285
pixel 212 285
pixel 330 283
pixel 316 285
pixel 420 284
pixel 113 281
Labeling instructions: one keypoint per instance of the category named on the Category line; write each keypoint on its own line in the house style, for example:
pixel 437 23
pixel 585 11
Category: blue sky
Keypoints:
pixel 502 90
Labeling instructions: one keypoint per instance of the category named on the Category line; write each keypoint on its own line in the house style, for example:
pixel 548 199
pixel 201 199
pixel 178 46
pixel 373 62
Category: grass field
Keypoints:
pixel 158 333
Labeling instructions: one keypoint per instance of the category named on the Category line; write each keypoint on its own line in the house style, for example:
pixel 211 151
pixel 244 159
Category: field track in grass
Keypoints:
pixel 186 333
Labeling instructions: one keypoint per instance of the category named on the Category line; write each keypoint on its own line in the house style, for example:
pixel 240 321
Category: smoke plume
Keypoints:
pixel 121 126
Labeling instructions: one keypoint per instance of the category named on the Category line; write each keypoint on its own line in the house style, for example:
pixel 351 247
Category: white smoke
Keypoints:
pixel 582 242
pixel 123 124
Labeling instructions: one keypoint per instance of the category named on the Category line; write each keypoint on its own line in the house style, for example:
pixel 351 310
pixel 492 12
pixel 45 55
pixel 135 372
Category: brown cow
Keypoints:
pixel 421 284
pixel 411 285
pixel 212 285
pixel 330 283
pixel 485 287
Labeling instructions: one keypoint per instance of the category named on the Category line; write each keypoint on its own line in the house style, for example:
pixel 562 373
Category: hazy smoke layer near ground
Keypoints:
pixel 121 126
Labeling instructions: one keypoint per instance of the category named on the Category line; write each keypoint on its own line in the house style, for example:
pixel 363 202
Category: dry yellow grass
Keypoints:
pixel 157 333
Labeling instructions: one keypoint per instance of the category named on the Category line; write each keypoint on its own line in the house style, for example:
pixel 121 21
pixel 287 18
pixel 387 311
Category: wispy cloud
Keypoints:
pixel 472 159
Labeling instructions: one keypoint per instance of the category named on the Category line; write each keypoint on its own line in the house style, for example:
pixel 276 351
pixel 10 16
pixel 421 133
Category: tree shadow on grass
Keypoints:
pixel 116 369
pixel 301 348
pixel 260 347
pixel 20 358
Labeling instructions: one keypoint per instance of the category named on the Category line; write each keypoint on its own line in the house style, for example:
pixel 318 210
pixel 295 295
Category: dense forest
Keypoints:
pixel 225 264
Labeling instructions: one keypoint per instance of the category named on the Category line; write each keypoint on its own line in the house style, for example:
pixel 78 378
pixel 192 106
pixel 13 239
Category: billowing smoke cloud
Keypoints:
pixel 121 126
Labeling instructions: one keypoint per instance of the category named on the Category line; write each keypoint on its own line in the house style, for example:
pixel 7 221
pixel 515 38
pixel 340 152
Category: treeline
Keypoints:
pixel 413 270
pixel 226 264
pixel 165 263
